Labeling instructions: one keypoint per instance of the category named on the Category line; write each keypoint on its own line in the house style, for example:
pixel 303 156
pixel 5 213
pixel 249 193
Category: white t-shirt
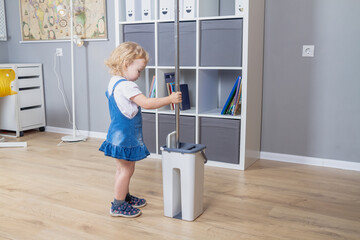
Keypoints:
pixel 122 94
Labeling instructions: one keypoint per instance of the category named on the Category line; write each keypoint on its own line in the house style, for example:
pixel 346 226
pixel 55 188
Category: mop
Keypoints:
pixel 172 140
pixel 182 163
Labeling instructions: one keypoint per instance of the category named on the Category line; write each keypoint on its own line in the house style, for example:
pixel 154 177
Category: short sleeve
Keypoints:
pixel 122 94
pixel 130 90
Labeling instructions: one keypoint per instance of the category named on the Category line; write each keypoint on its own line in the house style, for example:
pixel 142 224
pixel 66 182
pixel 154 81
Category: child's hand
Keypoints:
pixel 176 97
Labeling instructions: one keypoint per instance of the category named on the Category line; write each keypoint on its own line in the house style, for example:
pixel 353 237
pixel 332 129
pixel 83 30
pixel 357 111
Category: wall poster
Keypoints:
pixel 41 19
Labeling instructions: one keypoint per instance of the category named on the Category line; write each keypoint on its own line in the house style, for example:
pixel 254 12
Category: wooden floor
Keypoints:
pixel 64 192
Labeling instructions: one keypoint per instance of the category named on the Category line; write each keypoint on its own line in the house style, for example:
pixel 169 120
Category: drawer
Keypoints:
pixel 149 131
pixel 222 139
pixel 29 82
pixel 28 71
pixel 218 35
pixel 187 31
pixel 143 34
pixel 30 97
pixel 167 125
pixel 31 117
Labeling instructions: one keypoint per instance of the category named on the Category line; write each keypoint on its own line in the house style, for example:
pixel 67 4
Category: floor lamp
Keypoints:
pixel 61 11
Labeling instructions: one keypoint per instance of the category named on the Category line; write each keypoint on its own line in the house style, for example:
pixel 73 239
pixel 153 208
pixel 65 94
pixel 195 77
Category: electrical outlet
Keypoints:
pixel 308 51
pixel 59 52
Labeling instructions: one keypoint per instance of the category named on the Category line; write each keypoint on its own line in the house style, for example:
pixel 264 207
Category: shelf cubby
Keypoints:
pixel 216 37
pixel 214 89
pixel 215 8
pixel 145 80
pixel 187 76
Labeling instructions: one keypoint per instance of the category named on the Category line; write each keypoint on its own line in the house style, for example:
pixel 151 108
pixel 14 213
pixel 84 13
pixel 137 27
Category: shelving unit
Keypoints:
pixel 24 110
pixel 218 42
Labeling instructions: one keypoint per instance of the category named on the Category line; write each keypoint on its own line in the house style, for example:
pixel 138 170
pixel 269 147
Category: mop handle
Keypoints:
pixel 177 72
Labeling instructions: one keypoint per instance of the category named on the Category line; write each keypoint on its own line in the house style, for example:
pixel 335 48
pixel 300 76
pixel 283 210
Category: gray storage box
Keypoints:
pixel 167 125
pixel 149 131
pixel 221 137
pixel 221 43
pixel 143 34
pixel 187 39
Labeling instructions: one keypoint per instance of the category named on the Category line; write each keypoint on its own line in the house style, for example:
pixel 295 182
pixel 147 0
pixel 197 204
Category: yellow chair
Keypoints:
pixel 6 77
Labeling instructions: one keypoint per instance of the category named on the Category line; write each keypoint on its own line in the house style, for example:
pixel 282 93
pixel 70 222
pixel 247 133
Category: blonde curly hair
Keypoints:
pixel 123 56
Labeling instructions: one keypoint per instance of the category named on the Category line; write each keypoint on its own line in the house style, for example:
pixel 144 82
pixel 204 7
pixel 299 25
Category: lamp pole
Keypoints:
pixel 73 137
pixel 72 65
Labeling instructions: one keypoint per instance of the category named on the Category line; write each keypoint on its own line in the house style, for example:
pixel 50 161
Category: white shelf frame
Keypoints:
pixel 249 149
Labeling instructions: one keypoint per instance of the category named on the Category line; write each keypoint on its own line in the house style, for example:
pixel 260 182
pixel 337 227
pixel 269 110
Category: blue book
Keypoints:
pixel 184 89
pixel 235 99
pixel 169 77
pixel 230 98
pixel 236 109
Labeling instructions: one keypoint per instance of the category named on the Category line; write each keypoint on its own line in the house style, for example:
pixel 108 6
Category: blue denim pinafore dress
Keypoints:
pixel 124 139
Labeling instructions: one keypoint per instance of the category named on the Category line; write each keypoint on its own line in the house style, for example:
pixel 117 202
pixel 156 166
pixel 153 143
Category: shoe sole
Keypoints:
pixel 122 215
pixel 140 206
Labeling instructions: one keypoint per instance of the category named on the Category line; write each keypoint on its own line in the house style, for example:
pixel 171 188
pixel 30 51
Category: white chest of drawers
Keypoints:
pixel 24 110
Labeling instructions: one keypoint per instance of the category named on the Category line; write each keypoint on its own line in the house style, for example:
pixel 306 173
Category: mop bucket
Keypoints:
pixel 183 180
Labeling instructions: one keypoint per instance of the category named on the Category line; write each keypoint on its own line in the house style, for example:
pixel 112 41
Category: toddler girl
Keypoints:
pixel 124 140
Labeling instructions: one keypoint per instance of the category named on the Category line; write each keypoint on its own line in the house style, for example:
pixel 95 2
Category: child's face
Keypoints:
pixel 133 71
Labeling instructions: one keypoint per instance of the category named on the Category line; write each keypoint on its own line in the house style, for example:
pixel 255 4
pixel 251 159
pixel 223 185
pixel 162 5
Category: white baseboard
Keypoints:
pixel 310 161
pixel 100 135
pixel 223 165
pixel 263 155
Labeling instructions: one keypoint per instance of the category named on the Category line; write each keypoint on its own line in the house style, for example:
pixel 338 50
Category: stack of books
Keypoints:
pixel 233 103
pixel 170 85
pixel 184 89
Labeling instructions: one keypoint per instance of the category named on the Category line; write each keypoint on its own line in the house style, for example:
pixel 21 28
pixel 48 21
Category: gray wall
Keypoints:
pixel 3 52
pixel 91 76
pixel 311 106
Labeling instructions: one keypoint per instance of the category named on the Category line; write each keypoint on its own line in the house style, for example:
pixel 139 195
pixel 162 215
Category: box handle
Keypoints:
pixel 204 156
